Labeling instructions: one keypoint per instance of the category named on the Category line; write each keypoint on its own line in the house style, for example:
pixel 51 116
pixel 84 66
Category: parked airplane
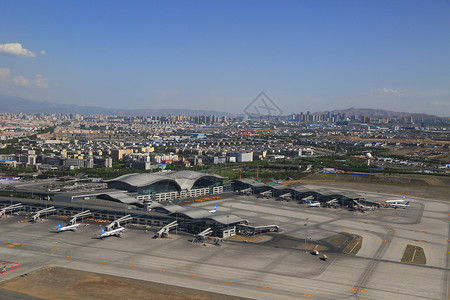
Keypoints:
pixel 116 232
pixel 213 210
pixel 397 205
pixel 314 204
pixel 396 201
pixel 72 227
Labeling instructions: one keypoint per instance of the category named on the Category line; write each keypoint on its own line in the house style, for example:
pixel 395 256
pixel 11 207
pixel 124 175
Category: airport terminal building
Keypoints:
pixel 168 185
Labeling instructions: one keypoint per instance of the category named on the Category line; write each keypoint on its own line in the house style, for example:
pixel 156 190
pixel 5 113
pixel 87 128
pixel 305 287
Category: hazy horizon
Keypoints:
pixel 306 55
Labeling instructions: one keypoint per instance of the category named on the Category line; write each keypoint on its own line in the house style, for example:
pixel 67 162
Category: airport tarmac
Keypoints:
pixel 276 269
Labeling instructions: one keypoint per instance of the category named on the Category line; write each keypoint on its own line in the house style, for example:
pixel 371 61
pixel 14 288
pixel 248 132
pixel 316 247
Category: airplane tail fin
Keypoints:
pixel 404 197
pixel 103 230
pixel 407 203
pixel 59 225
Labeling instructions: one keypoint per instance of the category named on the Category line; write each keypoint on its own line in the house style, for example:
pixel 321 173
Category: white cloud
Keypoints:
pixel 15 49
pixel 43 52
pixel 386 91
pixel 21 81
pixel 4 73
pixel 40 81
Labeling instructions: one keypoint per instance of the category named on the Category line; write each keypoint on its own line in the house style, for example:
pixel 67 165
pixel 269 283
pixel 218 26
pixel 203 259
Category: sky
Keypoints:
pixel 219 55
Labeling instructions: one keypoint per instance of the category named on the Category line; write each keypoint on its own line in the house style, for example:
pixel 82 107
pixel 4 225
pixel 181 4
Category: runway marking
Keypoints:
pixel 102 261
pixel 11 270
pixel 55 248
pixel 307 295
pixel 194 276
pixel 12 266
pixel 361 291
pixel 353 290
pixel 69 256
pixel 383 240
pixel 393 250
pixel 49 253
pixel 228 281
pixel 266 287
pixel 10 246
pixel 437 258
pixel 131 266
pixel 423 232
pixel 161 270
pixel 389 230
pixel 16 244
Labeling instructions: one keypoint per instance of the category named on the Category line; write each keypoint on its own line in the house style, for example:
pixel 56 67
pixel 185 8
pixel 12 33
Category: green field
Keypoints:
pixel 414 254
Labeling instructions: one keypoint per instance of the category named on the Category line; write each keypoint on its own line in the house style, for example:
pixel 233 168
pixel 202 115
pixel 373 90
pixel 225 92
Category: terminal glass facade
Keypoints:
pixel 163 186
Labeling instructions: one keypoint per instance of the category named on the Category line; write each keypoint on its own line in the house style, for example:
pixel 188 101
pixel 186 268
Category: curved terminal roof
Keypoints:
pixel 184 179
pixel 139 179
pixel 227 219
pixel 119 197
pixel 196 214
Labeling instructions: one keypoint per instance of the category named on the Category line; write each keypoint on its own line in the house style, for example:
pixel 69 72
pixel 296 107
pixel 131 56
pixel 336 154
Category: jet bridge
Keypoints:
pixel 287 197
pixel 307 198
pixel 332 202
pixel 10 208
pixel 266 194
pixel 205 235
pixel 37 215
pixel 164 232
pixel 362 207
pixel 116 223
pixel 200 237
pixel 73 219
pixel 247 191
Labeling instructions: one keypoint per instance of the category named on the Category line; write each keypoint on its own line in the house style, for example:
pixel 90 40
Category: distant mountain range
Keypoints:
pixel 379 113
pixel 9 104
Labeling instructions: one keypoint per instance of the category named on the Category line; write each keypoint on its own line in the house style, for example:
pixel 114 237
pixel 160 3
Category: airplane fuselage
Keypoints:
pixel 68 227
pixel 116 232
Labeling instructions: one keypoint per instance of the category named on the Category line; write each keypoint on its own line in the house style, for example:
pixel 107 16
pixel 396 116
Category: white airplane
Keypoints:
pixel 213 210
pixel 116 232
pixel 314 204
pixel 397 205
pixel 72 227
pixel 396 201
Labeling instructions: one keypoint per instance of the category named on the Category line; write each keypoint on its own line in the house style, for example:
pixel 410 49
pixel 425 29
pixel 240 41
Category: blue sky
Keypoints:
pixel 306 55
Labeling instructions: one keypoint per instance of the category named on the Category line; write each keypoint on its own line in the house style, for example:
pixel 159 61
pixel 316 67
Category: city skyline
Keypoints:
pixel 219 56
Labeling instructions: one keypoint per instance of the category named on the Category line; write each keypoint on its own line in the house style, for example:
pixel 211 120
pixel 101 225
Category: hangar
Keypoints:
pixel 169 185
